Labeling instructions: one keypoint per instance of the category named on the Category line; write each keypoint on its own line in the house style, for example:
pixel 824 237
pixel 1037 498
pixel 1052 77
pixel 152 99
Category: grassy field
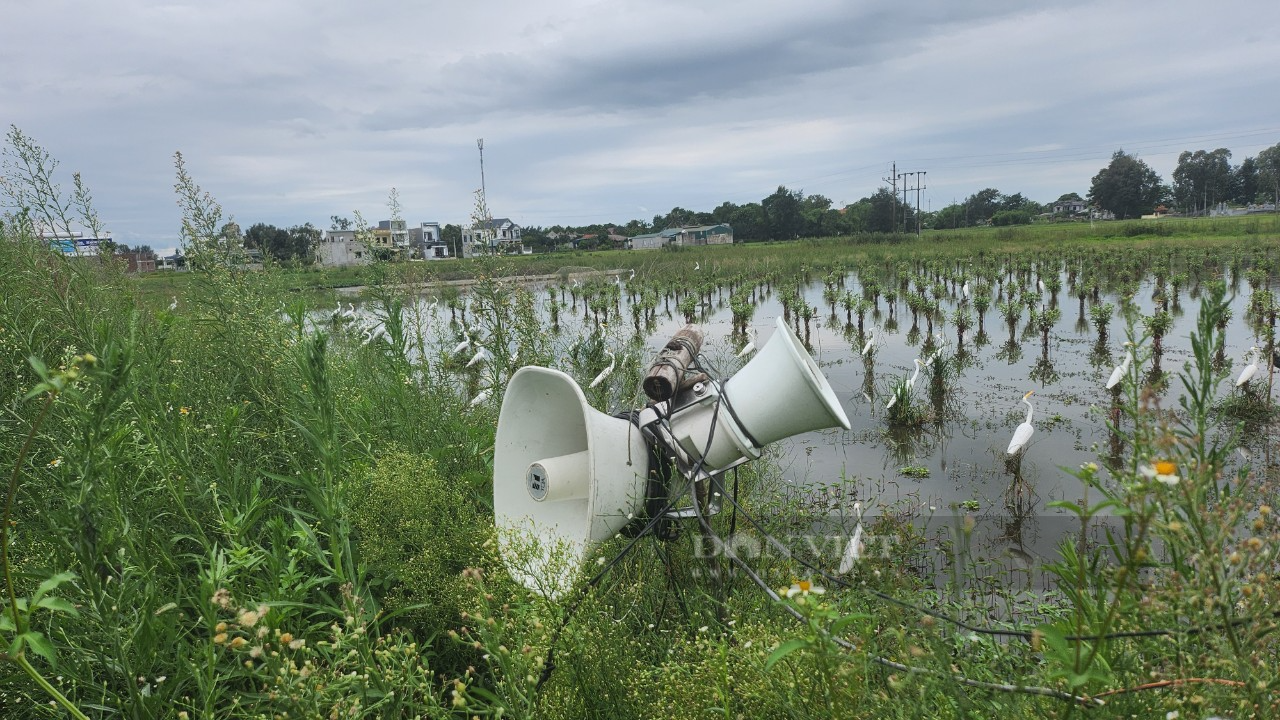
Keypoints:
pixel 216 510
pixel 740 257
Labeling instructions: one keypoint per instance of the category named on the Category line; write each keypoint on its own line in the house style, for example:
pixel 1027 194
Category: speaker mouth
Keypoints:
pixel 566 476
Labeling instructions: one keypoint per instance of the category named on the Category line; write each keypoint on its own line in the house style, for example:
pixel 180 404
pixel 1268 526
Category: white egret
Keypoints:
pixel 173 305
pixel 480 397
pixel 480 356
pixel 871 341
pixel 373 333
pixel 853 551
pixel 697 265
pixel 904 390
pixel 912 382
pixel 965 289
pixel 1040 285
pixel 942 343
pixel 466 342
pixel 632 276
pixel 1249 370
pixel 1122 368
pixel 750 347
pixel 605 372
pixel 1023 433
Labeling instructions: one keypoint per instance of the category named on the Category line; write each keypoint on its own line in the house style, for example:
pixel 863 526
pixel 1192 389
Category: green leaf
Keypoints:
pixel 38 365
pixel 784 650
pixel 51 584
pixel 1066 505
pixel 57 604
pixel 40 645
pixel 839 625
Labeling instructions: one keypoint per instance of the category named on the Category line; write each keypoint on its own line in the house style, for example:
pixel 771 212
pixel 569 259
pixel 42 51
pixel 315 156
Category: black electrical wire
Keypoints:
pixel 750 572
pixel 549 662
pixel 1003 632
pixel 981 630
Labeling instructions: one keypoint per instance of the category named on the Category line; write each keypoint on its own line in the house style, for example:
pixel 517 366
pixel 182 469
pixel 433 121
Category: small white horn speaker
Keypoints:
pixel 565 477
pixel 780 393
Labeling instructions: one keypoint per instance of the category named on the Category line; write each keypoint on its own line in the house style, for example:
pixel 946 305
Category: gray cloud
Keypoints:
pixel 289 111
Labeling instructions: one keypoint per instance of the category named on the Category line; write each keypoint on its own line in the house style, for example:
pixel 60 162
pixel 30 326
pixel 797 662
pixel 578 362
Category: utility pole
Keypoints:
pixel 919 176
pixel 480 146
pixel 893 179
pixel 919 186
pixel 484 202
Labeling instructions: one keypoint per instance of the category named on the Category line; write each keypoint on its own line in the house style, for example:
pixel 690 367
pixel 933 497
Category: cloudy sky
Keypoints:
pixel 600 110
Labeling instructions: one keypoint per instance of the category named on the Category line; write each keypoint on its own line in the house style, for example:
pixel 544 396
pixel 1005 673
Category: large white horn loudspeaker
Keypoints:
pixel 780 393
pixel 567 477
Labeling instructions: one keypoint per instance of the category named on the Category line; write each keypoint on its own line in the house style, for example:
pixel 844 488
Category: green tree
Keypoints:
pixel 537 240
pixel 339 223
pixel 1127 187
pixel 948 218
pixel 882 212
pixel 1244 182
pixel 1269 172
pixel 748 223
pixel 303 241
pixel 261 236
pixel 980 206
pixel 296 244
pixel 452 236
pixel 678 217
pixel 1202 179
pixel 782 213
pixel 815 210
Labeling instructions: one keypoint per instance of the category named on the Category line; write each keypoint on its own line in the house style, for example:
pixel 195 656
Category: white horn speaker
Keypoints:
pixel 780 393
pixel 565 477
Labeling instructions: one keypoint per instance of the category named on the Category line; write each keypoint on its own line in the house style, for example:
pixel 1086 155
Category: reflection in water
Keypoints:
pixel 1044 372
pixel 906 445
pixel 1100 354
pixel 1021 502
pixel 1115 441
pixel 1010 352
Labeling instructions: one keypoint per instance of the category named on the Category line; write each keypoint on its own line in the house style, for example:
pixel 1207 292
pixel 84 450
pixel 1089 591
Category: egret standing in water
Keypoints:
pixel 1023 433
pixel 1123 367
pixel 750 347
pixel 871 341
pixel 903 391
pixel 1249 370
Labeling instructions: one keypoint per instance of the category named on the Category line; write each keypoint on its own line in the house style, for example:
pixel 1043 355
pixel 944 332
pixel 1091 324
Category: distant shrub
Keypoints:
pixel 1157 229
pixel 1011 217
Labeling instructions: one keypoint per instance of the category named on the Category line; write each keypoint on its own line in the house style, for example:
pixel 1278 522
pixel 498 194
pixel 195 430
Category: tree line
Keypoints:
pixel 1125 188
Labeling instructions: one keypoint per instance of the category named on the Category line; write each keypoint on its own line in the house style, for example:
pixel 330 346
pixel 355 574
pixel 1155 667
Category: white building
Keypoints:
pixel 499 236
pixel 339 248
pixel 425 242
